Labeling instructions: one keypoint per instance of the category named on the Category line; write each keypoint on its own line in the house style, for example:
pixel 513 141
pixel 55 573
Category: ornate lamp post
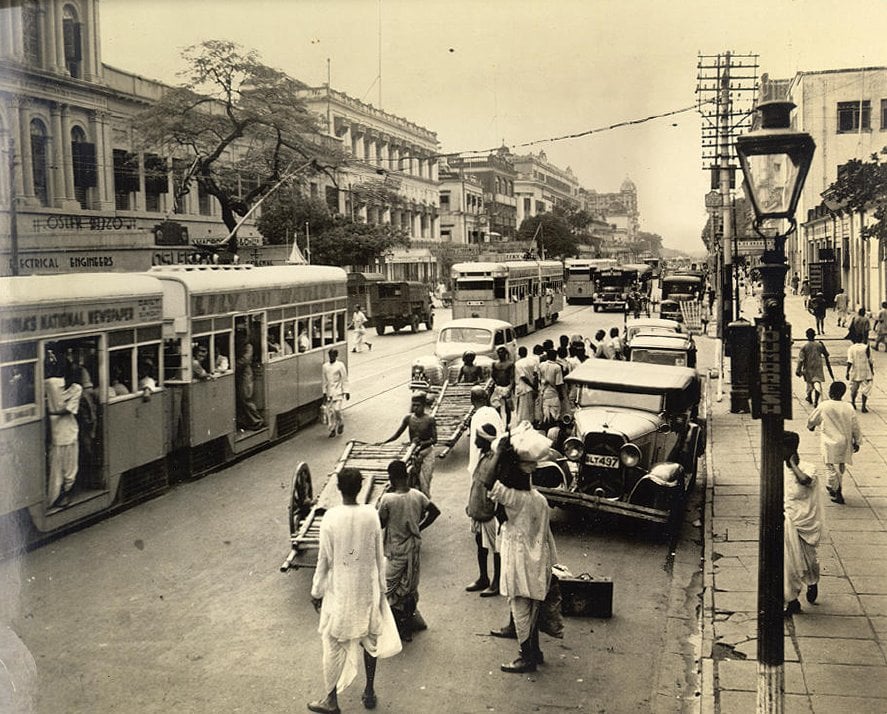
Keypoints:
pixel 775 160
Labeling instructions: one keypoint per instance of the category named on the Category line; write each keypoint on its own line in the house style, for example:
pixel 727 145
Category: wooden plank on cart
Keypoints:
pixel 452 411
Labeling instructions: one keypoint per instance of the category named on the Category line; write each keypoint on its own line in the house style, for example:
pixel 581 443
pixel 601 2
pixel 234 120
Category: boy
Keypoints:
pixel 839 437
pixel 404 512
pixel 860 371
pixel 811 357
pixel 470 373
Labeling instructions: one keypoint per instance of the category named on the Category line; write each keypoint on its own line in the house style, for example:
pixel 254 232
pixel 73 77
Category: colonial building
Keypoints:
pixel 541 186
pixel 496 174
pixel 620 210
pixel 85 199
pixel 845 111
pixel 463 218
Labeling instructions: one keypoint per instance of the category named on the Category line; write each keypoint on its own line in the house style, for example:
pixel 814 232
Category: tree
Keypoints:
pixel 862 187
pixel 551 234
pixel 236 125
pixel 285 213
pixel 357 244
pixel 650 243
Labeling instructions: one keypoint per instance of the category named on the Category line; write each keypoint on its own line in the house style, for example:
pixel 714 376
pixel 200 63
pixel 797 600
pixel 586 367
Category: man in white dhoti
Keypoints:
pixel 335 391
pixel 62 404
pixel 802 528
pixel 839 436
pixel 524 386
pixel 349 592
pixel 528 552
pixel 860 372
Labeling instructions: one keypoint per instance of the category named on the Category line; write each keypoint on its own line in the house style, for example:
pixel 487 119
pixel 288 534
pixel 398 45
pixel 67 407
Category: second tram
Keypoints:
pixel 526 293
pixel 579 277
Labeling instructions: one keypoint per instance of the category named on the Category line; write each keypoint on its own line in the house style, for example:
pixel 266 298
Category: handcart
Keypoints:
pixel 306 513
pixel 452 410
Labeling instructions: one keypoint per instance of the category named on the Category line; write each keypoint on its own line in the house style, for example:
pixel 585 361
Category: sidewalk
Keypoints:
pixel 835 649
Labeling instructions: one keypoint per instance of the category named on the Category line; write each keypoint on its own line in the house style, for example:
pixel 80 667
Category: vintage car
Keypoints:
pixel 649 324
pixel 636 437
pixel 677 349
pixel 677 289
pixel 471 334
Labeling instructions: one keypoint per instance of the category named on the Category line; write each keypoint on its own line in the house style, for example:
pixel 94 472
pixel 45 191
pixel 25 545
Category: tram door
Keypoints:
pixel 68 363
pixel 249 373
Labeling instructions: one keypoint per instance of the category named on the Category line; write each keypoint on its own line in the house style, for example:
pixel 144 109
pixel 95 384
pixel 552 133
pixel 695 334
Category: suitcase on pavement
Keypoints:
pixel 586 596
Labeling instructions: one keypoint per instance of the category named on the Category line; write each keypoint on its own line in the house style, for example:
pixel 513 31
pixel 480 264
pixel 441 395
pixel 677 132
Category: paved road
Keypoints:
pixel 178 604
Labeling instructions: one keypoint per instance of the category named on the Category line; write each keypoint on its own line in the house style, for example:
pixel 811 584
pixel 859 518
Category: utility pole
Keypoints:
pixel 726 89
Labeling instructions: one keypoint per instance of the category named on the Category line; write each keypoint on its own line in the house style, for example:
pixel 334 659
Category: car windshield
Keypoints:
pixel 596 397
pixel 673 358
pixel 472 335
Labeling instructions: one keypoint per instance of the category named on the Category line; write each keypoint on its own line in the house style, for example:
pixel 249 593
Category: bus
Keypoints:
pixel 642 274
pixel 526 293
pixel 579 276
pixel 171 374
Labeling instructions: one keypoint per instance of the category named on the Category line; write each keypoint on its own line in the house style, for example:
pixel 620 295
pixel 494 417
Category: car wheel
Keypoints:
pixel 414 323
pixel 429 321
pixel 380 329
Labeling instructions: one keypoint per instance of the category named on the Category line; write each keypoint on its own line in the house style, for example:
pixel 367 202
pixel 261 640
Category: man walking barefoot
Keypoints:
pixel 335 392
pixel 839 436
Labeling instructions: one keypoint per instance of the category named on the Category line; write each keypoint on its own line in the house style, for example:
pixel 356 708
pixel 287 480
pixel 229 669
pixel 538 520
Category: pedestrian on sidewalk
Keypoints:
pixel 335 392
pixel 359 322
pixel 796 280
pixel 802 528
pixel 839 437
pixel 860 326
pixel 811 358
pixel 881 326
pixel 860 371
pixel 422 429
pixel 842 306
pixel 404 512
pixel 817 308
pixel 348 590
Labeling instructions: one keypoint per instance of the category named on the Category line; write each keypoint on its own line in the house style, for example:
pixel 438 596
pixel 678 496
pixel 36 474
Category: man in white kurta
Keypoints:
pixel 524 387
pixel 335 391
pixel 860 372
pixel 802 528
pixel 62 404
pixel 528 553
pixel 349 589
pixel 839 436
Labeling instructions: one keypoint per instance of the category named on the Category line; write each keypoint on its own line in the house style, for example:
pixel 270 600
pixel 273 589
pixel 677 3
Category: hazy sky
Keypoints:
pixel 480 72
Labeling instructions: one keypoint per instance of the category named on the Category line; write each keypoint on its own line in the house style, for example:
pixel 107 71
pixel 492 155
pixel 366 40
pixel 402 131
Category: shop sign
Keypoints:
pixel 55 320
pixel 82 223
pixel 79 262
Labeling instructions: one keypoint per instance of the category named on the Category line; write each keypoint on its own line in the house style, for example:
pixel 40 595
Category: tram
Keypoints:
pixel 579 277
pixel 155 376
pixel 526 293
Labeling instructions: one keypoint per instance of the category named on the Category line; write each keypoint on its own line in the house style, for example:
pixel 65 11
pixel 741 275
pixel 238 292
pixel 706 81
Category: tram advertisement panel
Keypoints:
pixel 55 320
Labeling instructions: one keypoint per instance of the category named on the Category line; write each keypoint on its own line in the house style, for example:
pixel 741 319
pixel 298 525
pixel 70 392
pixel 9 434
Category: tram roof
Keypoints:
pixel 487 266
pixel 74 287
pixel 200 279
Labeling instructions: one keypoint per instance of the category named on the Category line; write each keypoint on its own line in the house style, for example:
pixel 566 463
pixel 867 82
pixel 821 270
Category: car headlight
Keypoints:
pixel 418 372
pixel 573 448
pixel 630 455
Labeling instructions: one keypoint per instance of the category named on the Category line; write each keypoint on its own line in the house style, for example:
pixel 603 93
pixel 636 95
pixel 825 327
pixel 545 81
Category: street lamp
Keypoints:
pixel 775 160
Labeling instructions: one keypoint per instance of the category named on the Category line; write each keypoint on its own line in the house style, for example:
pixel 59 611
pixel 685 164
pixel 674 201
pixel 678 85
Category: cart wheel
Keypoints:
pixel 301 496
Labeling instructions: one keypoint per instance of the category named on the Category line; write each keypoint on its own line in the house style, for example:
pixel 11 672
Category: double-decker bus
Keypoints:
pixel 579 277
pixel 526 293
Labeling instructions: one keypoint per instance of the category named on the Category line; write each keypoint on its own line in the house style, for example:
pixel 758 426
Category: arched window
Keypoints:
pixel 31 32
pixel 73 44
pixel 85 169
pixel 39 163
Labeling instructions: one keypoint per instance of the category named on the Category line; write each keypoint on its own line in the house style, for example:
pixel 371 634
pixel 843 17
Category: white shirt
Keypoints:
pixel 485 415
pixel 335 379
pixel 358 319
pixel 524 367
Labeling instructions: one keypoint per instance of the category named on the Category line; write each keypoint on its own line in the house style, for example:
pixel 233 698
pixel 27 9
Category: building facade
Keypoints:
pixel 541 186
pixel 496 174
pixel 845 111
pixel 620 210
pixel 463 217
pixel 85 198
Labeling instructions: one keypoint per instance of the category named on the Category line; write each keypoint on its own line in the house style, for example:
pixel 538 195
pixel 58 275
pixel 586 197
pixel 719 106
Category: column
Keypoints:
pixel 58 36
pixel 370 144
pixel 97 133
pixel 56 158
pixel 24 128
pixel 97 43
pixel 383 153
pixel 67 157
pixel 6 25
pixel 87 41
pixel 17 42
pixel 47 37
pixel 15 144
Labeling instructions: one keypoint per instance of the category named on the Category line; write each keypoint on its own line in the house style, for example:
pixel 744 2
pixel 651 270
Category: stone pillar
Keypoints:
pixel 56 158
pixel 97 41
pixel 88 41
pixel 97 133
pixel 16 41
pixel 383 154
pixel 370 144
pixel 434 170
pixel 55 10
pixel 47 38
pixel 67 155
pixel 27 161
pixel 15 145
pixel 140 193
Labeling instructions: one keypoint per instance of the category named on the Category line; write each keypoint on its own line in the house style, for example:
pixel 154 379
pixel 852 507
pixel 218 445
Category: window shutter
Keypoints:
pixel 126 171
pixel 155 174
pixel 71 35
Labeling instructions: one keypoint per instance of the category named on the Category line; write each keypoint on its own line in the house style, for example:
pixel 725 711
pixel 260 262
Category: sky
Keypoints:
pixel 480 73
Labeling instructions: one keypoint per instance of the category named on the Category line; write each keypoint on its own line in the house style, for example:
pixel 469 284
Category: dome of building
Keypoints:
pixel 628 185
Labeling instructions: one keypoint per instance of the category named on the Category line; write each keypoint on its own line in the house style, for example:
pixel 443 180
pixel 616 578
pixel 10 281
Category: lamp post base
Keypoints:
pixel 771 685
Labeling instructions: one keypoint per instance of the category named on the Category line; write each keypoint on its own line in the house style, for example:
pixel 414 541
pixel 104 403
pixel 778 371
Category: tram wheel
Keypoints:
pixel 301 496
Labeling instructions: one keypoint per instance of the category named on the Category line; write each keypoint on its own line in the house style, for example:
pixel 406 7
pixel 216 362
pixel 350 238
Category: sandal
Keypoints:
pixel 369 700
pixel 321 707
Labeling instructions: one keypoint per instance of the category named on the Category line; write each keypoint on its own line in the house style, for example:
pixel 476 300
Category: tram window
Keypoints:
pixel 289 337
pixel 499 288
pixel 221 353
pixel 149 334
pixel 120 362
pixel 173 365
pixel 340 327
pixel 199 326
pixel 328 336
pixel 464 284
pixel 302 336
pixel 316 337
pixel 17 388
pixel 278 345
pixel 121 337
pixel 148 371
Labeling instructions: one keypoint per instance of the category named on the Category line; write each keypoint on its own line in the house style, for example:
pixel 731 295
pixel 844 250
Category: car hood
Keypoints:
pixel 632 423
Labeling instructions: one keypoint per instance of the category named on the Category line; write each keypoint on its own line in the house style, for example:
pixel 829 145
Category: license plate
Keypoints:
pixel 474 302
pixel 606 462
